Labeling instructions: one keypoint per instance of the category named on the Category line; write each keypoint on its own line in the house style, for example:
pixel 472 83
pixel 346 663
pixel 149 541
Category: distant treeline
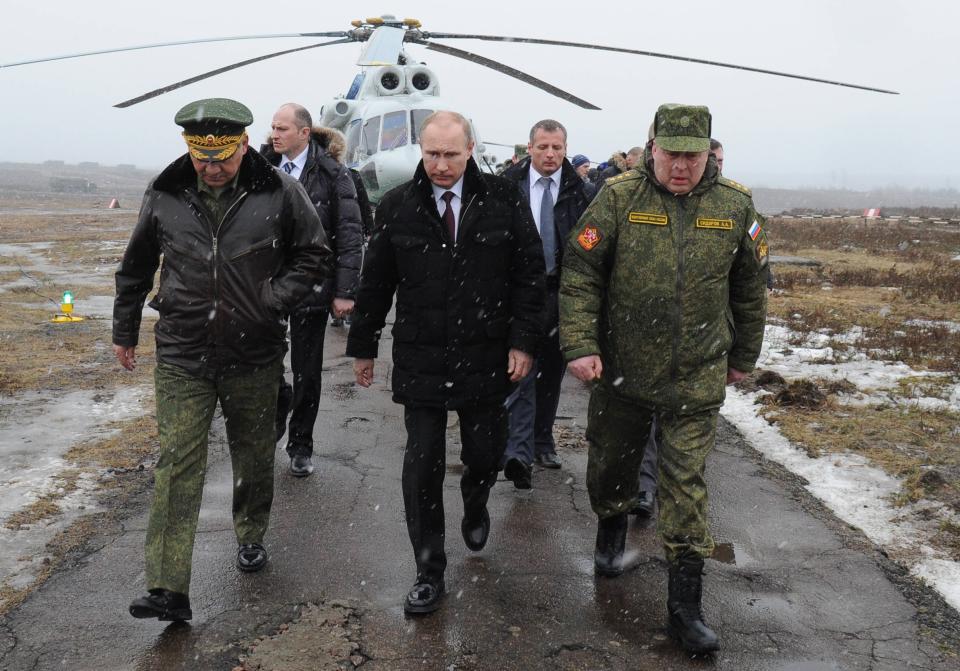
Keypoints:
pixel 924 212
pixel 891 200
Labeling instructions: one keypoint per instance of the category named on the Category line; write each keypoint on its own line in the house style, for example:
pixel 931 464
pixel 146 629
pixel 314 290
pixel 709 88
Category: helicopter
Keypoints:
pixel 381 113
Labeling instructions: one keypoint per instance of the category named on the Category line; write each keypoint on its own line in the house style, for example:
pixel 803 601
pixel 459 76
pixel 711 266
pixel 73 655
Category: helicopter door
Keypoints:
pixel 394 130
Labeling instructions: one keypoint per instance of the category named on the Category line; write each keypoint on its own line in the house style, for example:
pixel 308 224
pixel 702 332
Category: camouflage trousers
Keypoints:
pixel 617 431
pixel 185 407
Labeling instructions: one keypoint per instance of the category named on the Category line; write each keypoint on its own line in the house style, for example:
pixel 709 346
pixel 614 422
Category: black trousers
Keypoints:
pixel 307 330
pixel 483 434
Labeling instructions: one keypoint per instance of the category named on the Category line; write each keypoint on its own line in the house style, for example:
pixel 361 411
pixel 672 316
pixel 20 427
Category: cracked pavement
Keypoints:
pixel 805 593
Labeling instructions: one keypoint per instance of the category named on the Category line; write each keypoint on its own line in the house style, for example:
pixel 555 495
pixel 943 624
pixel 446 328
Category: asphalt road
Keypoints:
pixel 793 589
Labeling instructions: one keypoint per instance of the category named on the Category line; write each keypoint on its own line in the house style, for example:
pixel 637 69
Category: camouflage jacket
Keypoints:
pixel 668 290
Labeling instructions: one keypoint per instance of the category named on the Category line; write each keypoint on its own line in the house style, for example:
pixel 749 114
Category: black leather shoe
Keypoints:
pixel 424 597
pixel 475 534
pixel 520 473
pixel 162 604
pixel 684 605
pixel 548 460
pixel 251 557
pixel 301 466
pixel 644 505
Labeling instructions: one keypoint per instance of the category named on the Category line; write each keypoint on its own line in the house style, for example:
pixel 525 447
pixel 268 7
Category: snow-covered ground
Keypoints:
pixel 36 430
pixel 858 493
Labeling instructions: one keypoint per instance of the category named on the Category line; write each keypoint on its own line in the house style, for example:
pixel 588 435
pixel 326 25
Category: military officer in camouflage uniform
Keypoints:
pixel 662 303
pixel 242 245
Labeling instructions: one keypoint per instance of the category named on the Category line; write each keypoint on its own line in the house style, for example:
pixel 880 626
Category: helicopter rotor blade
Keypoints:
pixel 653 54
pixel 338 33
pixel 507 70
pixel 226 68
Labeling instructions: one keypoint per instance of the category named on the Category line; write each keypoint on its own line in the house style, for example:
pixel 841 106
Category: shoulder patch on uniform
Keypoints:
pixel 763 251
pixel 734 185
pixel 720 224
pixel 623 176
pixel 754 230
pixel 647 218
pixel 589 237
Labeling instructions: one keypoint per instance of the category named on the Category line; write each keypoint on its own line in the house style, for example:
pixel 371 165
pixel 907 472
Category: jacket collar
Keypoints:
pixel 473 184
pixel 256 174
pixel 520 172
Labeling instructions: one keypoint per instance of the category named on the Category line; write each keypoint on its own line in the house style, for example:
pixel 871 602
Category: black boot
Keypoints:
pixel 611 539
pixel 686 623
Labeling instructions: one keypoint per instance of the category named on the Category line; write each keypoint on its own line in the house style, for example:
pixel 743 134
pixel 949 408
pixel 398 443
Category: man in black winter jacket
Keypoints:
pixel 466 265
pixel 241 246
pixel 311 155
pixel 555 208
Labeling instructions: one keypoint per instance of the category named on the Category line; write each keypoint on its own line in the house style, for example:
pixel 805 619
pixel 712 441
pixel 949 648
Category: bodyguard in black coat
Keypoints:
pixel 532 406
pixel 466 264
pixel 311 155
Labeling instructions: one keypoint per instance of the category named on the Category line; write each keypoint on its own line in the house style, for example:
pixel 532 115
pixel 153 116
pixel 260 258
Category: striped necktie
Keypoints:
pixel 289 166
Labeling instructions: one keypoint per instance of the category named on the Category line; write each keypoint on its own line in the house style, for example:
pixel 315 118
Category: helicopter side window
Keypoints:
pixel 394 130
pixel 417 117
pixel 371 133
pixel 353 142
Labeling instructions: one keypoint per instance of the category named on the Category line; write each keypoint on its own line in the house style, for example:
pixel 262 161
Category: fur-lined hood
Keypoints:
pixel 330 139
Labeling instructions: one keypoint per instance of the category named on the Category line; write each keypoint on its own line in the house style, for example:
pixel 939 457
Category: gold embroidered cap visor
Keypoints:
pixel 212 147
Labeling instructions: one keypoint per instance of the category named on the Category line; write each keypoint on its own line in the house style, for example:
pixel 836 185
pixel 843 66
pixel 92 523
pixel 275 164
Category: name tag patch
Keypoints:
pixel 719 224
pixel 647 218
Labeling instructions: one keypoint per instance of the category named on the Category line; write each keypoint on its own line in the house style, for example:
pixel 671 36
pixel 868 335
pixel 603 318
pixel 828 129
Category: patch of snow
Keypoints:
pixel 857 492
pixel 952 327
pixel 36 430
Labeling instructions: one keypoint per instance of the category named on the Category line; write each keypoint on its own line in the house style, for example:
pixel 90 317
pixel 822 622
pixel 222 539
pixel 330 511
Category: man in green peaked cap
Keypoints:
pixel 662 303
pixel 241 246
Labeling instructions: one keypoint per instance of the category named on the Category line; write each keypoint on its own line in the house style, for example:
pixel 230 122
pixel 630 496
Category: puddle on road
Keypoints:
pixel 724 552
pixel 36 430
pixel 731 553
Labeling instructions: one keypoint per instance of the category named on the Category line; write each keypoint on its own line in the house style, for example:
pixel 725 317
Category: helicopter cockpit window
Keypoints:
pixel 371 133
pixel 417 117
pixel 353 142
pixel 394 130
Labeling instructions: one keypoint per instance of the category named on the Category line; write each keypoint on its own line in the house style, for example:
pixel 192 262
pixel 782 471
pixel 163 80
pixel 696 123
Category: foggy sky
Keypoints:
pixel 777 132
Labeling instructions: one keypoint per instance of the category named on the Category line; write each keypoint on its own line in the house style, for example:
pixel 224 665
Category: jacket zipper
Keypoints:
pixel 216 276
pixel 678 300
pixel 463 217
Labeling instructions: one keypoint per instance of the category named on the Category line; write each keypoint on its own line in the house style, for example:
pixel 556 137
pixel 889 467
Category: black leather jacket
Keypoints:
pixel 225 286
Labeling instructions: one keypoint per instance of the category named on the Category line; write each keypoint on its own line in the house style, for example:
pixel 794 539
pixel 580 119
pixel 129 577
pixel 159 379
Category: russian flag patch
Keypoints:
pixel 754 230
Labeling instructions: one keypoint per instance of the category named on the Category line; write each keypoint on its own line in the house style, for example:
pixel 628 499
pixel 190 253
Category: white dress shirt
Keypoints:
pixel 298 163
pixel 455 202
pixel 536 191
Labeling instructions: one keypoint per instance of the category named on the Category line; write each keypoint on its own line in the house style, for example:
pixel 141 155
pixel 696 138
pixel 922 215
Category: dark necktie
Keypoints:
pixel 448 219
pixel 548 234
pixel 289 166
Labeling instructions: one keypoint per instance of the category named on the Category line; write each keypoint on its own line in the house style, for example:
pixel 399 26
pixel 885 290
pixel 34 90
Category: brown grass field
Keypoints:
pixel 878 276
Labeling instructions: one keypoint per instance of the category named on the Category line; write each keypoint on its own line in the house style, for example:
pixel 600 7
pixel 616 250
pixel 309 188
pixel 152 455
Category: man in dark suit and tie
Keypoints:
pixel 465 262
pixel 556 197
